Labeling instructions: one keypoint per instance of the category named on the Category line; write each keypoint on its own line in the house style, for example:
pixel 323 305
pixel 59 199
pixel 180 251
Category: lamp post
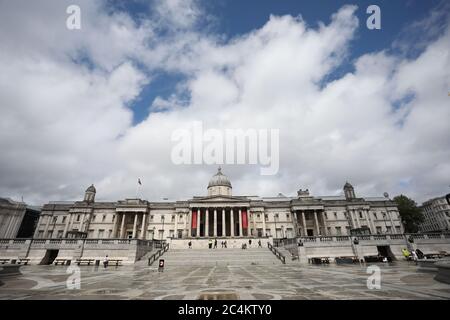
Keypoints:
pixel 275 220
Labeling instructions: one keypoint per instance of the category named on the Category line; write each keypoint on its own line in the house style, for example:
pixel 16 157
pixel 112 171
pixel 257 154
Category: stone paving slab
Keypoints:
pixel 399 280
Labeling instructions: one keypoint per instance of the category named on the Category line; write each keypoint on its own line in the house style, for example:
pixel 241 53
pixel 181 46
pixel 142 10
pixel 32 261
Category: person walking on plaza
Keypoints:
pixel 225 243
pixel 105 262
pixel 190 244
pixel 210 243
pixel 259 244
pixel 249 242
pixel 215 243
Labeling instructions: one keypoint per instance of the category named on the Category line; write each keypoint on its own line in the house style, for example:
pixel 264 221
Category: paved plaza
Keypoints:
pixel 399 280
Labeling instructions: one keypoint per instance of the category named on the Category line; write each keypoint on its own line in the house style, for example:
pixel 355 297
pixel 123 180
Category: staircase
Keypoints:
pixel 219 257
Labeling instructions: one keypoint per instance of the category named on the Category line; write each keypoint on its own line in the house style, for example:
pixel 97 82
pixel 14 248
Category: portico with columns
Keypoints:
pixel 219 221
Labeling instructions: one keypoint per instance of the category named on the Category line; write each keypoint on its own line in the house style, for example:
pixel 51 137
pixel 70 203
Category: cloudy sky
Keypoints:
pixel 99 105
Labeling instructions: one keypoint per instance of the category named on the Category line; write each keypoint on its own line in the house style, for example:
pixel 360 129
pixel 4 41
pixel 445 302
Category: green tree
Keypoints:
pixel 410 214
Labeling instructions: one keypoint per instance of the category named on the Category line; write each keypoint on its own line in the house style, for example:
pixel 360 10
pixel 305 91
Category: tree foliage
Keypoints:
pixel 410 214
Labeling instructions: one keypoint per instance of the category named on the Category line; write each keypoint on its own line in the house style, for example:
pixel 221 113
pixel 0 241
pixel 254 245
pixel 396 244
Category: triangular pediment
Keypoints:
pixel 219 199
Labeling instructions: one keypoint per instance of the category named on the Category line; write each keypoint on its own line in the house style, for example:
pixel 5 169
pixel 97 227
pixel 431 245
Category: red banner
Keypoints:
pixel 194 219
pixel 244 219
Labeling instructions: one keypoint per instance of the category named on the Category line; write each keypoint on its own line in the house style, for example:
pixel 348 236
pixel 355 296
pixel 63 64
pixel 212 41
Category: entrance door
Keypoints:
pixel 310 232
pixel 385 251
pixel 50 256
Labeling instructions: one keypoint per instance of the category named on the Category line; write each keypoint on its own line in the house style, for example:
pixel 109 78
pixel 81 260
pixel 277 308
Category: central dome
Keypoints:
pixel 219 179
pixel 219 184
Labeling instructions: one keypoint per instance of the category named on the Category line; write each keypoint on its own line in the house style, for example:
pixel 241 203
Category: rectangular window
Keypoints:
pixel 64 219
pixel 360 215
pixel 101 233
pixel 103 218
pixel 335 215
pixel 60 234
pixel 78 218
pixel 338 231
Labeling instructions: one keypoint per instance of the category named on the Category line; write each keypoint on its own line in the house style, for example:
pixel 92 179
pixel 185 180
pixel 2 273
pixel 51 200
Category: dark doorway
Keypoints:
pixel 385 251
pixel 49 257
pixel 310 232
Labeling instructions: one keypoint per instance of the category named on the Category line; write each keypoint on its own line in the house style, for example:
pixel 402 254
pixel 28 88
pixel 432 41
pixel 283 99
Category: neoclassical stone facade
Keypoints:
pixel 220 214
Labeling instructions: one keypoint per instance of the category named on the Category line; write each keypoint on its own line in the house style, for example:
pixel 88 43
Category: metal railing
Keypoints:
pixel 158 254
pixel 276 253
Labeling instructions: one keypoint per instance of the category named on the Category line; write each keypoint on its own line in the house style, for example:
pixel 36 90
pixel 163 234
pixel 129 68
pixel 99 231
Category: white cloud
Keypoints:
pixel 65 126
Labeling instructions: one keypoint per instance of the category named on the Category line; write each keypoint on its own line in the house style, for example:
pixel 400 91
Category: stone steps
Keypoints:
pixel 219 257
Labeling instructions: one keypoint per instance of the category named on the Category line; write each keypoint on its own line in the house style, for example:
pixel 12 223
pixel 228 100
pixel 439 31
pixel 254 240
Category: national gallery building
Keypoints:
pixel 220 214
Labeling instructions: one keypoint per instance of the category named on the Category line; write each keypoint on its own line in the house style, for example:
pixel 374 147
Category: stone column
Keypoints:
pixel 325 229
pixel 116 223
pixel 224 230
pixel 36 232
pixel 72 220
pixel 240 223
pixel 199 213
pixel 46 226
pixel 316 222
pixel 215 222
pixel 392 221
pixel 175 231
pixel 232 222
pixel 207 223
pixel 185 228
pixel 264 223
pixel 369 222
pixel 122 227
pixel 144 218
pixel 135 225
pixel 66 227
pixel 305 231
pixel 10 225
pixel 81 223
pixel 255 233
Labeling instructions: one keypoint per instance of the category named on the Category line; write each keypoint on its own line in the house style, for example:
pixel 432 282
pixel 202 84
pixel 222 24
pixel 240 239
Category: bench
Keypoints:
pixel 433 256
pixel 85 261
pixel 24 261
pixel 342 260
pixel 116 262
pixel 61 261
pixel 4 261
pixel 320 260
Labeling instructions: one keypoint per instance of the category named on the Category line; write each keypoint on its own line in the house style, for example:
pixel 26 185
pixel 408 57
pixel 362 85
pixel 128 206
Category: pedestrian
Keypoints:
pixel 210 243
pixel 190 244
pixel 215 243
pixel 414 254
pixel 259 244
pixel 249 242
pixel 105 262
pixel 225 243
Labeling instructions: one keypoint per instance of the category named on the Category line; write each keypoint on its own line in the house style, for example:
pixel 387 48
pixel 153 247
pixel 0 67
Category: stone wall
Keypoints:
pixel 127 250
